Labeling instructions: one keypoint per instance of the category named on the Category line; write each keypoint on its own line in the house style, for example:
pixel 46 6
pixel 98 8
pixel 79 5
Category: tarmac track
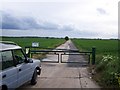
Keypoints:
pixel 64 75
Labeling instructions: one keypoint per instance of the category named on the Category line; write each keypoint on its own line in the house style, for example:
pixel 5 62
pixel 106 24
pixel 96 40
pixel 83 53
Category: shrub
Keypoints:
pixel 110 68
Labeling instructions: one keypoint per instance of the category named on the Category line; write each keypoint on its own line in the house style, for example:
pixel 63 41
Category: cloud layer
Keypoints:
pixel 9 21
pixel 82 18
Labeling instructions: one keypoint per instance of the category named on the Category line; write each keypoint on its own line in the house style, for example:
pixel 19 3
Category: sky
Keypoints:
pixel 60 18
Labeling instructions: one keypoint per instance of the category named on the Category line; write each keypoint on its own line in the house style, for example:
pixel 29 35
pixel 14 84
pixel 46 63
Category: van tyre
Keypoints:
pixel 34 78
pixel 4 87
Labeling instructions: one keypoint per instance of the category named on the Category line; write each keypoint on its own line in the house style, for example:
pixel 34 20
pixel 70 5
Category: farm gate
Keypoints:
pixel 61 55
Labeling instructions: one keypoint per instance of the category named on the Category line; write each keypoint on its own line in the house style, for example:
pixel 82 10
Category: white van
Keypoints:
pixel 15 68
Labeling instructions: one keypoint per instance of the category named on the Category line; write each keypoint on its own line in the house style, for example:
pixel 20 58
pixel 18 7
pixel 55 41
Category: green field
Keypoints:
pixel 102 46
pixel 107 65
pixel 27 41
pixel 43 43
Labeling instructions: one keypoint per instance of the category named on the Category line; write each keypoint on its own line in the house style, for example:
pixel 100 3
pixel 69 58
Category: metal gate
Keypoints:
pixel 61 55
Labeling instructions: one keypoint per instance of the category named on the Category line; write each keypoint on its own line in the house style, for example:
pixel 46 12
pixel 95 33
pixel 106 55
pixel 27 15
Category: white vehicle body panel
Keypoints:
pixel 10 77
pixel 16 75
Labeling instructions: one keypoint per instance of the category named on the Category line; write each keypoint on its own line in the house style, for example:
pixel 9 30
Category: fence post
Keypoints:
pixel 93 55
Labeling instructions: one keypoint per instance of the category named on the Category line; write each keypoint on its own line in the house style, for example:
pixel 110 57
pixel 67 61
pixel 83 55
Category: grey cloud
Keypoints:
pixel 28 23
pixel 101 11
pixel 11 22
pixel 67 27
pixel 48 26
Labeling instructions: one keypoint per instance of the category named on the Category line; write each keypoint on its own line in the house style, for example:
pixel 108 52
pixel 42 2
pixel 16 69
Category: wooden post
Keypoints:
pixel 93 55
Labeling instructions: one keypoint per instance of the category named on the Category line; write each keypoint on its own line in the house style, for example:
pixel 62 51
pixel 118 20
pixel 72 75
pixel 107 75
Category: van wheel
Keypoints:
pixel 34 78
pixel 4 87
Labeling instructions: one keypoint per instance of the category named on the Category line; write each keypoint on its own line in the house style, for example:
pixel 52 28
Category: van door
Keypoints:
pixel 9 71
pixel 24 69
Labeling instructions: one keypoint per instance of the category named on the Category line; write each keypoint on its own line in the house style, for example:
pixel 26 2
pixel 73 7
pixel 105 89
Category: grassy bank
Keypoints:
pixel 107 63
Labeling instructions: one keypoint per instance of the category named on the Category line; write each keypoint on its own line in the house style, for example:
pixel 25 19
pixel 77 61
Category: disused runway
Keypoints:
pixel 64 75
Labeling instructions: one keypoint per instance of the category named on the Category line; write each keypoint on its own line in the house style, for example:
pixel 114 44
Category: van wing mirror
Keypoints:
pixel 28 60
pixel 27 52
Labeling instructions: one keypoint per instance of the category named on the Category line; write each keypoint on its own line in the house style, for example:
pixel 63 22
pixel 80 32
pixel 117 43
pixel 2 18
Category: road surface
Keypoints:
pixel 64 75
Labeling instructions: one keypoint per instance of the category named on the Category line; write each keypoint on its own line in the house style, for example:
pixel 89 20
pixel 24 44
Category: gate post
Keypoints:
pixel 93 55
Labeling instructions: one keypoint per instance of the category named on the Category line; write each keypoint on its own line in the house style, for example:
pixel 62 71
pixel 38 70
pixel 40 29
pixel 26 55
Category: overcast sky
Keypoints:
pixel 58 18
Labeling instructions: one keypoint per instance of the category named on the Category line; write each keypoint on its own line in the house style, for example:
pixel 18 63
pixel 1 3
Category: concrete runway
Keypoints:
pixel 64 75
